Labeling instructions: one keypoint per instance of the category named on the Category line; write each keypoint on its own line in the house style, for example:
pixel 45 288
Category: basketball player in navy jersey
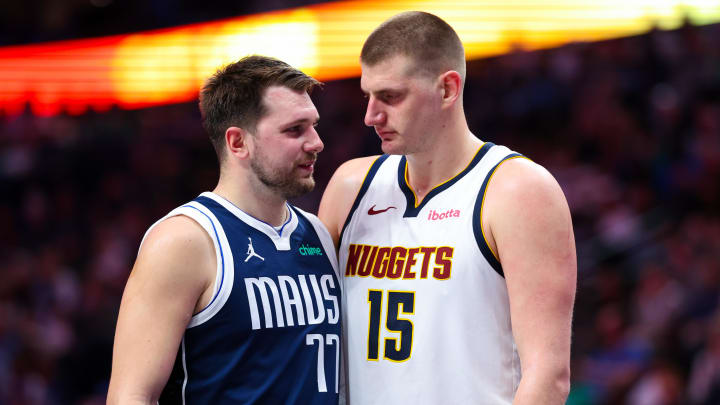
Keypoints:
pixel 234 297
pixel 458 255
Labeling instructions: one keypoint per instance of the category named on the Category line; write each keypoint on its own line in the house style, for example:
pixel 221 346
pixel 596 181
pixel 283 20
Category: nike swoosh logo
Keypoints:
pixel 372 210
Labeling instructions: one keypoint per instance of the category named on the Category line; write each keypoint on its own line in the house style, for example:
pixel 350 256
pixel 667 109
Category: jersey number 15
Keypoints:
pixel 398 302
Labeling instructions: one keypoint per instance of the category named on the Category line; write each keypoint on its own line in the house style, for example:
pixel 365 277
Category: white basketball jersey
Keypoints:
pixel 427 314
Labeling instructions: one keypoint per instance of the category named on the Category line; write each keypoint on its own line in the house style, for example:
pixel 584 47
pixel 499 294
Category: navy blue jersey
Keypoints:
pixel 271 333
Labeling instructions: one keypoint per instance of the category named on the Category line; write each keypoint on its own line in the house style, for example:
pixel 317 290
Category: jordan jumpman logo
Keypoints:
pixel 251 252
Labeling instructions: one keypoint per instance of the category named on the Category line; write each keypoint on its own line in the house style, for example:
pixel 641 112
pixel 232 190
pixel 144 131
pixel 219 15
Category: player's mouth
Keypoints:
pixel 308 166
pixel 385 134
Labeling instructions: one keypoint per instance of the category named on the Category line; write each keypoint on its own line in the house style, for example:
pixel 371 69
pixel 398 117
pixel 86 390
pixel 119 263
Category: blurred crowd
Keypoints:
pixel 630 128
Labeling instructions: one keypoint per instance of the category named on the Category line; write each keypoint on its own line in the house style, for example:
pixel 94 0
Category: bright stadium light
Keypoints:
pixel 324 40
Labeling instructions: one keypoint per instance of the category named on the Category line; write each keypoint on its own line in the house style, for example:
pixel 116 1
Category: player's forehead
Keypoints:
pixel 393 73
pixel 283 104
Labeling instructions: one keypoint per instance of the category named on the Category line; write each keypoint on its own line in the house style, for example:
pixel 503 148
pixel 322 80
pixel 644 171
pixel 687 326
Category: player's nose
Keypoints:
pixel 374 114
pixel 314 144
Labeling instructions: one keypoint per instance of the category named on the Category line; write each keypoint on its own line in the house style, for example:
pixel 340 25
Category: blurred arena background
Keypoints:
pixel 620 100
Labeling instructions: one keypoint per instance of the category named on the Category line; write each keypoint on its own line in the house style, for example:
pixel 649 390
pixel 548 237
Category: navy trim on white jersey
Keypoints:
pixel 477 225
pixel 363 189
pixel 411 211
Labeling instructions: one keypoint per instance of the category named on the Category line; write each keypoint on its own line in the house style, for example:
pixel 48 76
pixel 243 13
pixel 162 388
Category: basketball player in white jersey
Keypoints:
pixel 458 255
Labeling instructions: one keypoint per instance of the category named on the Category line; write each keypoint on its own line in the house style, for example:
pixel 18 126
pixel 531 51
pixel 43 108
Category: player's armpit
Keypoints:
pixel 528 220
pixel 340 193
pixel 172 275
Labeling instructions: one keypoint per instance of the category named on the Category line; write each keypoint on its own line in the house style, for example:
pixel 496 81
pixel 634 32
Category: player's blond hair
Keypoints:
pixel 427 40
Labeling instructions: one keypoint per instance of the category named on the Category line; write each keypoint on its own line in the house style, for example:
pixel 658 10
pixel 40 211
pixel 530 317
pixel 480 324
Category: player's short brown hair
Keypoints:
pixel 233 95
pixel 426 39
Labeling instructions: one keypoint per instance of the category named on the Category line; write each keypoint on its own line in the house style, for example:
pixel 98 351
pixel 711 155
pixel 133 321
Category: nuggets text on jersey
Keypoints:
pixel 399 262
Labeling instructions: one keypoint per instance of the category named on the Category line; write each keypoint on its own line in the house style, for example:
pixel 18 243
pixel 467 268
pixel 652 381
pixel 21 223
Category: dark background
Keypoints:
pixel 630 128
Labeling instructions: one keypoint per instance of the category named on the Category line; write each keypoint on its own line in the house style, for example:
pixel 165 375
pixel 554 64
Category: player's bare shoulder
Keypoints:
pixel 177 250
pixel 351 174
pixel 521 177
pixel 341 191
pixel 179 235
pixel 522 192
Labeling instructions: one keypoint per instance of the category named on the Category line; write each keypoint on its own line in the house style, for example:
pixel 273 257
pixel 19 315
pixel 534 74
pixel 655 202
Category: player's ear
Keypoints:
pixel 451 84
pixel 236 142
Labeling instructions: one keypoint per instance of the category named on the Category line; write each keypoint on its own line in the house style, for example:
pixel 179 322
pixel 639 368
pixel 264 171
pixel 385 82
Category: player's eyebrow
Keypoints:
pixel 383 90
pixel 301 121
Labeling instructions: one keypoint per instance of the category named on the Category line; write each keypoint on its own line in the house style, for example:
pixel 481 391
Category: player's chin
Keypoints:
pixel 391 148
pixel 308 181
pixel 300 187
pixel 305 181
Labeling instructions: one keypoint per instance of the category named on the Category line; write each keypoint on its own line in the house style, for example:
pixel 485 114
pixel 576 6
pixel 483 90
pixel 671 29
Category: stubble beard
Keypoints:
pixel 283 183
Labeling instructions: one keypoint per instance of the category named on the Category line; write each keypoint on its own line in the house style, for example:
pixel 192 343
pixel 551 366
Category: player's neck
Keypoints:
pixel 445 159
pixel 259 202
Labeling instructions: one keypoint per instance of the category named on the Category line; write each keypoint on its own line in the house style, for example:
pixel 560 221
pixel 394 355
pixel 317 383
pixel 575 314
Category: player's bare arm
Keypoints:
pixel 172 279
pixel 340 193
pixel 528 225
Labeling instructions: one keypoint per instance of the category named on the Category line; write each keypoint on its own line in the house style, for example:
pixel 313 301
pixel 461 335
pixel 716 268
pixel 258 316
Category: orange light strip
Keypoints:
pixel 168 66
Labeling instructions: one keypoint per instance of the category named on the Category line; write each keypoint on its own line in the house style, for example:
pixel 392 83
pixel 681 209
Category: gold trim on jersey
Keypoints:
pixel 482 204
pixel 417 203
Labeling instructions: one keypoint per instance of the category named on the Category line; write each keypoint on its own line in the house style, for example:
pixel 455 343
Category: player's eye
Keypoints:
pixel 390 98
